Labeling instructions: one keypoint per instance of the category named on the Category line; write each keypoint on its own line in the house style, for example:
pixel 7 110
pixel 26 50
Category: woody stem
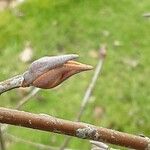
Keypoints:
pixel 11 83
pixel 76 129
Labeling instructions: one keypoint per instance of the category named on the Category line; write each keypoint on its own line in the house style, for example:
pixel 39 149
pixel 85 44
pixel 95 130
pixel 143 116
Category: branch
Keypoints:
pixel 26 98
pixel 2 141
pixel 29 142
pixel 46 73
pixel 76 129
pixel 88 92
pixel 11 83
pixel 146 15
pixel 92 84
pixel 99 145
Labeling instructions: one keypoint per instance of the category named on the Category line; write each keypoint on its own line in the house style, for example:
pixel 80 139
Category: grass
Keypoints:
pixel 56 27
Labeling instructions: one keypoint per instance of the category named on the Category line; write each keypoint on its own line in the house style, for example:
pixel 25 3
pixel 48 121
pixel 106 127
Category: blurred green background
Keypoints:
pixel 121 98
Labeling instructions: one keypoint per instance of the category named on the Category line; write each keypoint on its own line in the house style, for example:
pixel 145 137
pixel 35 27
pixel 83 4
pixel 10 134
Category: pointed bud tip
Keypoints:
pixel 88 67
pixel 78 66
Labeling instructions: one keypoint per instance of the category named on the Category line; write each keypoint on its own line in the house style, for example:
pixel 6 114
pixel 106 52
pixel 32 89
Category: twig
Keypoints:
pixel 21 103
pixel 90 89
pixel 76 129
pixel 26 98
pixel 11 83
pixel 100 145
pixel 46 73
pixel 146 15
pixel 88 92
pixel 2 141
pixel 35 144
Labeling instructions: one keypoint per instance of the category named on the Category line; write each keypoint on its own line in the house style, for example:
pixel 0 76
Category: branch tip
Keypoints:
pixel 102 51
pixel 46 72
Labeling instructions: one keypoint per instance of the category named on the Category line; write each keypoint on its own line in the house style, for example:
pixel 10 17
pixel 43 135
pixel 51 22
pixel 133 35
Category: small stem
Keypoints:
pixel 11 83
pixel 146 15
pixel 26 98
pixel 2 141
pixel 29 142
pixel 88 92
pixel 90 89
pixel 76 129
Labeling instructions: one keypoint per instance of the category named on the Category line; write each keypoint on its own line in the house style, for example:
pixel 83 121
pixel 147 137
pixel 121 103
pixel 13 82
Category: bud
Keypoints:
pixel 102 51
pixel 48 72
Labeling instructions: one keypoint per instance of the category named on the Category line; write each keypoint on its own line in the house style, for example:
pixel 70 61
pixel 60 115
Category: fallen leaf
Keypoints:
pixel 4 4
pixel 93 53
pixel 117 43
pixel 15 3
pixel 27 54
pixel 105 33
pixel 131 62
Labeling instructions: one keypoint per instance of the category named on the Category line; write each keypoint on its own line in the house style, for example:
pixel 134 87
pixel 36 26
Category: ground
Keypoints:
pixel 121 98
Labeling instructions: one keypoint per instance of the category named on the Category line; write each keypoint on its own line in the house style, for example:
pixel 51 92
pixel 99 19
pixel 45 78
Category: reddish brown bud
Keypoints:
pixel 49 72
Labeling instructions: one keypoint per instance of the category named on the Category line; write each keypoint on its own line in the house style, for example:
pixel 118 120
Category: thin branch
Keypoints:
pixel 21 103
pixel 46 73
pixel 2 141
pixel 76 129
pixel 35 144
pixel 26 98
pixel 99 146
pixel 89 90
pixel 11 83
pixel 146 15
